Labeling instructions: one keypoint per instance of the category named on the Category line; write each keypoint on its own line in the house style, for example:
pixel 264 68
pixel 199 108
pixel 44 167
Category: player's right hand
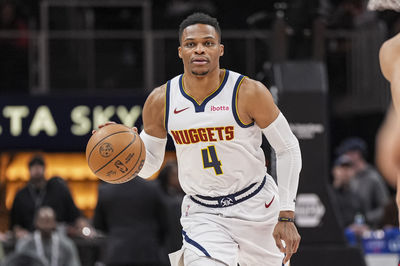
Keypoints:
pixel 103 125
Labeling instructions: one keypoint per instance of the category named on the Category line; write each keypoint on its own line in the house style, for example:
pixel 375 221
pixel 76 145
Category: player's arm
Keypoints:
pixel 255 103
pixel 154 135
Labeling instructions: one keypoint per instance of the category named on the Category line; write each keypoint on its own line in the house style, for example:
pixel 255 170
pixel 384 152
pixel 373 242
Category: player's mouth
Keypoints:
pixel 200 61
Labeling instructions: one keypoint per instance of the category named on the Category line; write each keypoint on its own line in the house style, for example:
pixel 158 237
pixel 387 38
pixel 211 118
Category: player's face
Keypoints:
pixel 200 49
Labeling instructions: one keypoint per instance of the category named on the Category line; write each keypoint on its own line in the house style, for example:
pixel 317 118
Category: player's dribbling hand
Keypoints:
pixel 287 232
pixel 111 123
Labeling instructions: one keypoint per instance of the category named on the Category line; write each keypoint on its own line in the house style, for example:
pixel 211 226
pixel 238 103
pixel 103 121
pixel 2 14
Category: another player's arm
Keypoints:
pixel 389 59
pixel 154 134
pixel 387 147
pixel 255 103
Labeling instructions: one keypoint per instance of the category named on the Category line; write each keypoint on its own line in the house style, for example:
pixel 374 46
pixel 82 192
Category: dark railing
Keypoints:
pixel 91 60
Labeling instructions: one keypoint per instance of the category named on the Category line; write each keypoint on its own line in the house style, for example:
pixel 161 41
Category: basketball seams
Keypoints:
pixel 100 141
pixel 111 156
pixel 127 146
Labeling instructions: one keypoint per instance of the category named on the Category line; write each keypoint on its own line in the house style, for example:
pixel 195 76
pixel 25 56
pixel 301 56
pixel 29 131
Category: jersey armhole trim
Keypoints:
pixel 166 110
pixel 234 103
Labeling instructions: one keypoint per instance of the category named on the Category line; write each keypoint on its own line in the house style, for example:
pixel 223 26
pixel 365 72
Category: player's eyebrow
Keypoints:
pixel 205 38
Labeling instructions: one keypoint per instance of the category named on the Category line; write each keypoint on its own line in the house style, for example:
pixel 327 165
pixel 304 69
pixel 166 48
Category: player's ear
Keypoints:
pixel 221 49
pixel 180 52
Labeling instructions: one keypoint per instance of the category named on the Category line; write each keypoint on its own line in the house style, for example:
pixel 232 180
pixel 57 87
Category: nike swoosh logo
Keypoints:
pixel 269 204
pixel 178 111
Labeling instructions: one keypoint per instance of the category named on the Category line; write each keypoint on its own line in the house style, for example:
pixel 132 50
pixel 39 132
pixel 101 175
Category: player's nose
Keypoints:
pixel 199 49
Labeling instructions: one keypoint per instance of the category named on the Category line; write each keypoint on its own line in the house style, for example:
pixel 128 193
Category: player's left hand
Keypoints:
pixel 287 232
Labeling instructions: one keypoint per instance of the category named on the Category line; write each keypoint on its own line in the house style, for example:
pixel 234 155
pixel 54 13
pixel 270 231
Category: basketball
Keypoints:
pixel 115 153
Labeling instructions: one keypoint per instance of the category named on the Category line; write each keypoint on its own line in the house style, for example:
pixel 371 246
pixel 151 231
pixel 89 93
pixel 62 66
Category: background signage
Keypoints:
pixel 61 123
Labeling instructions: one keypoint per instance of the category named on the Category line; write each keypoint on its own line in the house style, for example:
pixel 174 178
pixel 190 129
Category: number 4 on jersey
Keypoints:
pixel 210 159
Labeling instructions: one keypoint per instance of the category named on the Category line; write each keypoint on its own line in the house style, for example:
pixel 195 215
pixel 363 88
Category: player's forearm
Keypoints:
pixel 288 160
pixel 155 151
pixel 288 170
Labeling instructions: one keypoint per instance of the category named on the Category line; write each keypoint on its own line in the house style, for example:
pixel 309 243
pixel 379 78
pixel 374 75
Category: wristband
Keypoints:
pixel 285 219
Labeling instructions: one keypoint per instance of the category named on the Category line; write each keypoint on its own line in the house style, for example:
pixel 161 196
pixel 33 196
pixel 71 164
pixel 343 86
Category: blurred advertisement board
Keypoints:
pixel 61 123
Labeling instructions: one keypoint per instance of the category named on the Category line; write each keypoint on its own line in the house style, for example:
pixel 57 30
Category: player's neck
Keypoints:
pixel 199 87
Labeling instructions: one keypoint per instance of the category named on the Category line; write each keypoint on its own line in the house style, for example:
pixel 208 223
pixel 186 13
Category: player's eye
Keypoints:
pixel 189 44
pixel 209 43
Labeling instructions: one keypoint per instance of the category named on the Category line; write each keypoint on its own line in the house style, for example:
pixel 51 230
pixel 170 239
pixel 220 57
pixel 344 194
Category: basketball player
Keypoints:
pixel 388 138
pixel 233 212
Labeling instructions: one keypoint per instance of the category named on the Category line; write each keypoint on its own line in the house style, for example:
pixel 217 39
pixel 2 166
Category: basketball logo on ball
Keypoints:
pixel 121 166
pixel 115 153
pixel 106 149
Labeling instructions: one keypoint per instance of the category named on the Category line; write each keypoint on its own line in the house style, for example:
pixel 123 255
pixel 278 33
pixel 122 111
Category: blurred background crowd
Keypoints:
pixel 54 211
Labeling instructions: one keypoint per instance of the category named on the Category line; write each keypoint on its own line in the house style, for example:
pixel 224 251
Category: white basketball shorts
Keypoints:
pixel 239 233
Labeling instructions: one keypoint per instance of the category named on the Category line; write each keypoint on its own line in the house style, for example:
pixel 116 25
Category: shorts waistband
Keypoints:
pixel 231 199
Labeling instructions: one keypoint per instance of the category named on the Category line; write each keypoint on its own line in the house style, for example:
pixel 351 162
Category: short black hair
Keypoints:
pixel 199 18
pixel 37 159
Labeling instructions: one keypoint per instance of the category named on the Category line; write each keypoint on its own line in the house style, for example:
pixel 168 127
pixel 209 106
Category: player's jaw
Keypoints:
pixel 198 64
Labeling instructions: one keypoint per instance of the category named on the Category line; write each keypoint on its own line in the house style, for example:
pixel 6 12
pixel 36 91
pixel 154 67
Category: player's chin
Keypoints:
pixel 199 73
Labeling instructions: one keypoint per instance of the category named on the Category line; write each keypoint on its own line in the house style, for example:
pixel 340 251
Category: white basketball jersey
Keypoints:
pixel 217 153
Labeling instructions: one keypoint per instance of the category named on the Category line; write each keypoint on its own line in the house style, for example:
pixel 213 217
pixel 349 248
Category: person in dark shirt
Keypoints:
pixel 40 192
pixel 173 194
pixel 132 216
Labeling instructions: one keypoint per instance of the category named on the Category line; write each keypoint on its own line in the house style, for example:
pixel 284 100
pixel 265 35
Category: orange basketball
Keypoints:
pixel 115 153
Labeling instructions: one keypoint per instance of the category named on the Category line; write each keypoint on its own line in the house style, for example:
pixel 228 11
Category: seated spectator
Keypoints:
pixel 1 252
pixel 367 183
pixel 22 259
pixel 41 192
pixel 53 248
pixel 349 203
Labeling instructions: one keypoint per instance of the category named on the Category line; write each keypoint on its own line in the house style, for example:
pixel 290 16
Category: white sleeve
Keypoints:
pixel 288 160
pixel 155 151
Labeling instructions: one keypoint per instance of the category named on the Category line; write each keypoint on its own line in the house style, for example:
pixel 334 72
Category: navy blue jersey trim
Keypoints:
pixel 194 243
pixel 167 93
pixel 234 103
pixel 200 107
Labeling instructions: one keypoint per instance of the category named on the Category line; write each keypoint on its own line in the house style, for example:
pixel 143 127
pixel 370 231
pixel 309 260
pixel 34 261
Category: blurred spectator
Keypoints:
pixel 1 252
pixel 41 192
pixel 367 183
pixel 13 51
pixel 349 203
pixel 53 248
pixel 22 259
pixel 350 14
pixel 168 179
pixel 132 215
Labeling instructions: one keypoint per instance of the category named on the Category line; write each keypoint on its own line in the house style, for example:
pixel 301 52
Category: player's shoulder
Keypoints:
pixel 251 87
pixel 157 96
